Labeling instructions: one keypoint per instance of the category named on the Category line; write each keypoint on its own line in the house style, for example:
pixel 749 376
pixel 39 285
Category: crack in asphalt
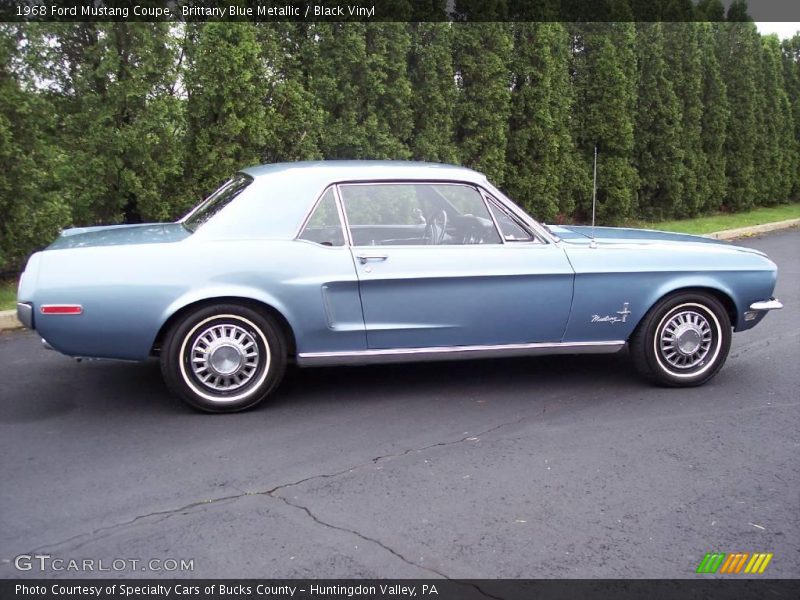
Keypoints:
pixel 358 534
pixel 273 493
pixel 377 459
pixel 379 543
pixel 91 536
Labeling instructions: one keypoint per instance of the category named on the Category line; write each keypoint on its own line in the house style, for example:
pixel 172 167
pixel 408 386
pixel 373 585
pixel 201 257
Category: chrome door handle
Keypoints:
pixel 363 258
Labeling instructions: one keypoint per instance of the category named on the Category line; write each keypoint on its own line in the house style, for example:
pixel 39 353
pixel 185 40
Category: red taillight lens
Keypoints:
pixel 61 309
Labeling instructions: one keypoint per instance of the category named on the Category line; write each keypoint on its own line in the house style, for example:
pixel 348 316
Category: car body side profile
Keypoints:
pixel 355 262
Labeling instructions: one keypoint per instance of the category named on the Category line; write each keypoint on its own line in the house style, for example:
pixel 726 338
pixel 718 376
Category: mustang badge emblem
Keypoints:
pixel 622 318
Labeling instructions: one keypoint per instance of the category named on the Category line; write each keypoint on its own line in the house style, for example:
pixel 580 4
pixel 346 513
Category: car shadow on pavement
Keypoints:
pixel 477 379
pixel 106 387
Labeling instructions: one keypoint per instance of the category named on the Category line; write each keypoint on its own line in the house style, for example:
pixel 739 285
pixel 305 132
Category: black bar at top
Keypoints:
pixel 383 10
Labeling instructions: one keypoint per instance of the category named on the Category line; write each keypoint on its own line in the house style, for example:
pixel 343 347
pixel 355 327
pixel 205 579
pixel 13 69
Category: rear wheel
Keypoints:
pixel 683 341
pixel 224 358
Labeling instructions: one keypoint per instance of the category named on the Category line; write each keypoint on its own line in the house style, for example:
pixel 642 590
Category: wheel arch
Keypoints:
pixel 724 297
pixel 255 304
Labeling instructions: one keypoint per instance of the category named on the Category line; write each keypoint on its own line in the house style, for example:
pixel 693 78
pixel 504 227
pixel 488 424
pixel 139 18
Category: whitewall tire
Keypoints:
pixel 223 358
pixel 683 340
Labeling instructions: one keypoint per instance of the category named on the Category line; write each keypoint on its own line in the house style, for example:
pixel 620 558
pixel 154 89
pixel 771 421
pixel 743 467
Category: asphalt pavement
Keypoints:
pixel 545 467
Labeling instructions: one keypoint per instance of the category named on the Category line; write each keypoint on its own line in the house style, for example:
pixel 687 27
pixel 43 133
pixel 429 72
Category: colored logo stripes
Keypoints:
pixel 736 562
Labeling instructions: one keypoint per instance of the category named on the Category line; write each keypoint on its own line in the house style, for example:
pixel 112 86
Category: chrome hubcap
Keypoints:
pixel 224 357
pixel 686 339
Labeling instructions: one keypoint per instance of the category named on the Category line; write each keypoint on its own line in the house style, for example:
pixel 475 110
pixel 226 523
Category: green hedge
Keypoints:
pixel 114 122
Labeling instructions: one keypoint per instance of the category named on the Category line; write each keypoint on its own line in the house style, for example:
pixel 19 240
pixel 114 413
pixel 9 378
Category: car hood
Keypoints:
pixel 116 235
pixel 582 235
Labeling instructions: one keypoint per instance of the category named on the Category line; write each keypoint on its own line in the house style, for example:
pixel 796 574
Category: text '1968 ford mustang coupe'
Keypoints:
pixel 357 262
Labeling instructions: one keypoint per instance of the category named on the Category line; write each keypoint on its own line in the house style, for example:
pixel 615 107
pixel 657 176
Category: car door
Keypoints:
pixel 434 271
pixel 325 292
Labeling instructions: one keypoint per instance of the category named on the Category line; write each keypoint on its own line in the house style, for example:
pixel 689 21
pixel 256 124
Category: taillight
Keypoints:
pixel 61 309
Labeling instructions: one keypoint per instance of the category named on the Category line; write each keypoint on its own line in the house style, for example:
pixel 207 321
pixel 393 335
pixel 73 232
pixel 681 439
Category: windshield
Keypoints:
pixel 216 201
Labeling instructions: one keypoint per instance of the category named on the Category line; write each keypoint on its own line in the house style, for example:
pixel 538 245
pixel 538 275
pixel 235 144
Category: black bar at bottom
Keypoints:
pixel 400 589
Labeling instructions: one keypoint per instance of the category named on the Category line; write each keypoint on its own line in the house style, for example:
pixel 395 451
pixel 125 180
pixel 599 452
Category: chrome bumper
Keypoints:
pixel 764 305
pixel 25 314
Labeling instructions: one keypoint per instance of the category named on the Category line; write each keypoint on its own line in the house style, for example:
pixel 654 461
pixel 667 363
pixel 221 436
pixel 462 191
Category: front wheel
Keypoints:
pixel 223 358
pixel 683 341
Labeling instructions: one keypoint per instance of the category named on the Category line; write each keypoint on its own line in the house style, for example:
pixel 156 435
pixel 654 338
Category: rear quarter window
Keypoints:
pixel 218 200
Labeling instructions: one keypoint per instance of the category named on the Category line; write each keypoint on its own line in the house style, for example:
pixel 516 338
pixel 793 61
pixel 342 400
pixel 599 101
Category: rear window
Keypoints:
pixel 216 201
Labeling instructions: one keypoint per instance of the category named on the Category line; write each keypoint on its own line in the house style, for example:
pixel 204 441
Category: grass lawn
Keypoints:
pixel 722 221
pixel 8 294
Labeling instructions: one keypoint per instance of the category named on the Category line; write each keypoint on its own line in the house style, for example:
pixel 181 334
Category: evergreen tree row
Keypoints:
pixel 112 122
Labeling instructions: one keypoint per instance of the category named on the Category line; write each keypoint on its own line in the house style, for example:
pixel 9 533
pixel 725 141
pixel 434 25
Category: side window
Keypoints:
pixel 417 214
pixel 324 227
pixel 511 227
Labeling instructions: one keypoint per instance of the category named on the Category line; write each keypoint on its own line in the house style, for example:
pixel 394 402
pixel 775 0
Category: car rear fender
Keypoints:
pixel 224 294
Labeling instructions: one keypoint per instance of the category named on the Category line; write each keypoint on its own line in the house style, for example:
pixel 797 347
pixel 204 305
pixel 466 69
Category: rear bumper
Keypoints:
pixel 25 314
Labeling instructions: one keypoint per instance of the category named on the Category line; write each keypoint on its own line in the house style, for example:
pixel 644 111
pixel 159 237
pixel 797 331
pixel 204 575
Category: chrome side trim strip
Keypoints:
pixel 399 355
pixel 772 304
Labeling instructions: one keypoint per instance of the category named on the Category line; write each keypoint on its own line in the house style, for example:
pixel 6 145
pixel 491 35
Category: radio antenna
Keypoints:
pixel 593 243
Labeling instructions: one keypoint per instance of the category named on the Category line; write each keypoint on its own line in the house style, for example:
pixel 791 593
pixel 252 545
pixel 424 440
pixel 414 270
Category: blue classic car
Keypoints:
pixel 355 262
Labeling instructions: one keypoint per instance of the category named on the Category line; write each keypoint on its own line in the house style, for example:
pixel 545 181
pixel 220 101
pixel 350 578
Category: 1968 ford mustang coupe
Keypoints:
pixel 358 262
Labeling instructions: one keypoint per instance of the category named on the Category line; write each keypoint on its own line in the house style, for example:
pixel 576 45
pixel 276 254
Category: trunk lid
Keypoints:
pixel 118 235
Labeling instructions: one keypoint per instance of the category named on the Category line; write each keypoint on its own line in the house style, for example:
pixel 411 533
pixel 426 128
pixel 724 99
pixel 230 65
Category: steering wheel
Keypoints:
pixel 436 227
pixel 471 231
